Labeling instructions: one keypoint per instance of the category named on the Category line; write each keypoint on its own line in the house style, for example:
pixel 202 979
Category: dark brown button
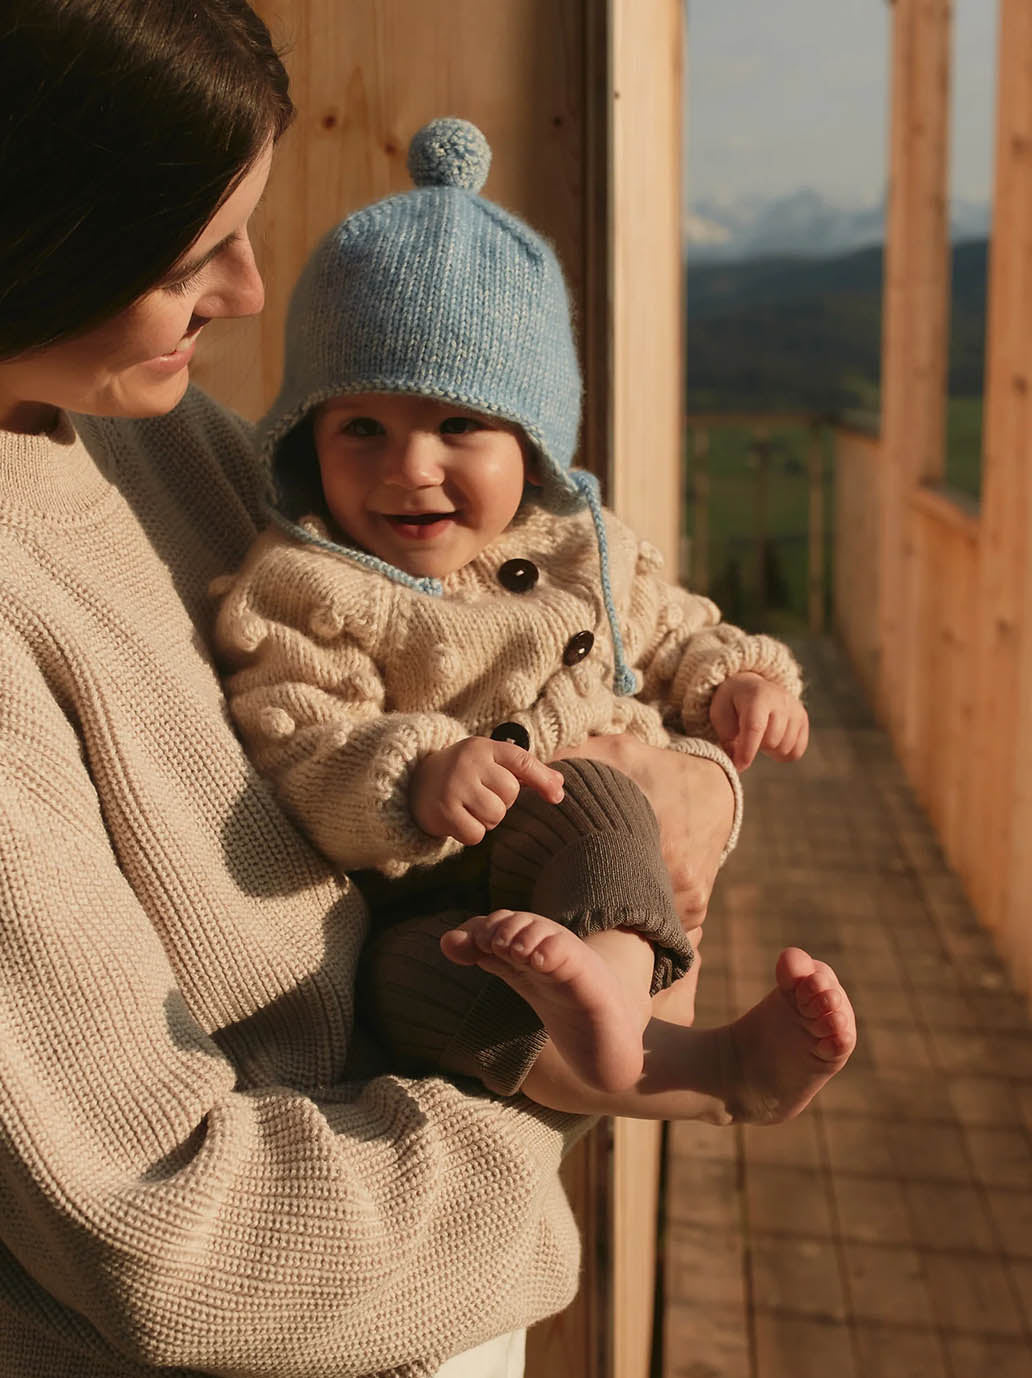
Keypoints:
pixel 518 576
pixel 512 732
pixel 578 647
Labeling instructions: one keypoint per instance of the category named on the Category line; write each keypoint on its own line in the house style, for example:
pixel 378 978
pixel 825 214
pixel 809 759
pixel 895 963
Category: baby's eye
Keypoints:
pixel 460 425
pixel 361 427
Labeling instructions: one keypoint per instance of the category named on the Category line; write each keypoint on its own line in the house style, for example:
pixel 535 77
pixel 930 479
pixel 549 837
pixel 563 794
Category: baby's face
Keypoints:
pixel 425 485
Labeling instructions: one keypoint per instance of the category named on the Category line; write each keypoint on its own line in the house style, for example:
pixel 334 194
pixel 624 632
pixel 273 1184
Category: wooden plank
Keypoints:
pixel 856 573
pixel 646 324
pixel 646 284
pixel 1003 736
pixel 575 1343
pixel 914 345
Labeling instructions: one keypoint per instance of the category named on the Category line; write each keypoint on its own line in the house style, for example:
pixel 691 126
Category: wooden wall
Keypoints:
pixel 951 658
pixel 580 102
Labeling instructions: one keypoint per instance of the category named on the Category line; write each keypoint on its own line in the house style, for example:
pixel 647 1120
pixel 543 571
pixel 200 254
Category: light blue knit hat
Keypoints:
pixel 440 293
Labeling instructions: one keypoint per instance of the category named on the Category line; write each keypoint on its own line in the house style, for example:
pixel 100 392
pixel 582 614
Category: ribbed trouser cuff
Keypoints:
pixel 592 862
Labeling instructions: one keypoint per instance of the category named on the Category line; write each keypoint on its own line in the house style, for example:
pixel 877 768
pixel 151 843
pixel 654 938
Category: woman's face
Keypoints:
pixel 138 363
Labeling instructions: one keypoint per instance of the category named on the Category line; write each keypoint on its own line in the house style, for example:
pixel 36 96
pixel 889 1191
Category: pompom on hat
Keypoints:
pixel 441 293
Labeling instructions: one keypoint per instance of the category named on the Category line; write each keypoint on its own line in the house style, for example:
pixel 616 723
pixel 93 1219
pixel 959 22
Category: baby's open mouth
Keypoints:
pixel 419 518
pixel 419 526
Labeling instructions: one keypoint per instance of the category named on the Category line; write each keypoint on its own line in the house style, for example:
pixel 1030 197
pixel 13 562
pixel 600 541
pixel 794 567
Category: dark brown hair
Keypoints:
pixel 123 125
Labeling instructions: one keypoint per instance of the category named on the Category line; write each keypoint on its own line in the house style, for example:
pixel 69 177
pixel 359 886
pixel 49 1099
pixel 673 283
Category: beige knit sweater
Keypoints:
pixel 188 1180
pixel 345 679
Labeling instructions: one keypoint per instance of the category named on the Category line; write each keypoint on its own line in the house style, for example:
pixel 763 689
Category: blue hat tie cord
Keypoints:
pixel 624 679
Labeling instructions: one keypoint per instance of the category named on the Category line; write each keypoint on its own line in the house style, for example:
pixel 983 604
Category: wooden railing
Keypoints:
pixel 756 525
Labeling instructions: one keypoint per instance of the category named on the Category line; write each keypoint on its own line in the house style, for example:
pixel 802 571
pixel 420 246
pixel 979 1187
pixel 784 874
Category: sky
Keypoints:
pixel 783 94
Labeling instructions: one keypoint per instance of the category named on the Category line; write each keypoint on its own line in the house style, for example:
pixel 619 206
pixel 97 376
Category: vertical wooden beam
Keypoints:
pixel 915 323
pixel 646 287
pixel 645 215
pixel 1003 695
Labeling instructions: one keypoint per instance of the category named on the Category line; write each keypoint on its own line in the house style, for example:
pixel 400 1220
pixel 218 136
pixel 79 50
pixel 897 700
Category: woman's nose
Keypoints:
pixel 240 290
pixel 414 461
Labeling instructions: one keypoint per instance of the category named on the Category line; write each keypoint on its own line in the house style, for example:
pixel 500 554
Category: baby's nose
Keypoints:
pixel 416 461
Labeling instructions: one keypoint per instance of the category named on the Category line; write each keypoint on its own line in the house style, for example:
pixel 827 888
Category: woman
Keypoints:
pixel 200 1173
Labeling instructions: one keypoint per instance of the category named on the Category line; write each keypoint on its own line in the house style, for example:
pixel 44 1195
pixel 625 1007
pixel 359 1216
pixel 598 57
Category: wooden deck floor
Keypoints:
pixel 886 1233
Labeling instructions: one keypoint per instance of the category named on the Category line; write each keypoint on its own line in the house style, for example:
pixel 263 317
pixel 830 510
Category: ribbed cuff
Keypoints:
pixel 592 862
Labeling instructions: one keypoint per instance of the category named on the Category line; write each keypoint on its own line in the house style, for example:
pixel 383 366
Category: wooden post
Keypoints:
pixel 914 345
pixel 700 509
pixel 816 564
pixel 1002 806
pixel 645 217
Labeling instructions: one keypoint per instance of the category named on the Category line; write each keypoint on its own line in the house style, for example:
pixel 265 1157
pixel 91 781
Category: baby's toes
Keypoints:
pixel 835 1033
pixel 509 932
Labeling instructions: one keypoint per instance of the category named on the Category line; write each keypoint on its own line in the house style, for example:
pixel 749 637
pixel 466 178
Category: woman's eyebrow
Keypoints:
pixel 194 265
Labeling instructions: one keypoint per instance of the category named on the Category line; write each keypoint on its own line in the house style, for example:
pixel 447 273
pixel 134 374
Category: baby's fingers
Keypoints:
pixel 529 771
pixel 752 731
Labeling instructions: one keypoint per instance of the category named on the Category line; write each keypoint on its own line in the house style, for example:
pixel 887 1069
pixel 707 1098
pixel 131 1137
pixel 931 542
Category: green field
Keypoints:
pixel 773 597
pixel 776 597
pixel 964 445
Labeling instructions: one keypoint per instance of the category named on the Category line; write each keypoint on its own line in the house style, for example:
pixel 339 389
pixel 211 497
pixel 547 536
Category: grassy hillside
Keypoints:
pixel 806 333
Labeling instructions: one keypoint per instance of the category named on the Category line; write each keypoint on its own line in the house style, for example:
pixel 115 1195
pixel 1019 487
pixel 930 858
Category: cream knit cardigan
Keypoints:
pixel 344 679
pixel 189 1181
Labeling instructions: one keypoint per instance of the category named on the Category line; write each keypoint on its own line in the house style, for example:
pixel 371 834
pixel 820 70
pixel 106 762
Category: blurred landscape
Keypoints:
pixel 799 330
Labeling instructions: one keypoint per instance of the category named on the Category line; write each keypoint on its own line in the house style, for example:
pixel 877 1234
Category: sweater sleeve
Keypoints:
pixel 684 650
pixel 172 1219
pixel 308 700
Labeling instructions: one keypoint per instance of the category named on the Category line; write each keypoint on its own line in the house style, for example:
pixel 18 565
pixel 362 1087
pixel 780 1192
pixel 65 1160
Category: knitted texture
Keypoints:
pixel 438 292
pixel 195 1179
pixel 344 680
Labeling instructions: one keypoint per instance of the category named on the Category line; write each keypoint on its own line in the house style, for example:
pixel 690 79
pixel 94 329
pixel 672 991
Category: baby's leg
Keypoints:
pixel 764 1068
pixel 591 994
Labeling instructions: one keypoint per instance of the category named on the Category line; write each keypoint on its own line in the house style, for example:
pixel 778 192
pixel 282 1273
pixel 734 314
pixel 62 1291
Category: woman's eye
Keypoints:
pixel 181 286
pixel 361 427
pixel 460 425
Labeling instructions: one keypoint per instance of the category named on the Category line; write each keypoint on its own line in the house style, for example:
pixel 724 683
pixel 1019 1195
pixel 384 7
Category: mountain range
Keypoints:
pixel 802 222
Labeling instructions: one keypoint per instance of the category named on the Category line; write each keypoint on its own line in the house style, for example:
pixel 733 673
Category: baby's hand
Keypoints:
pixel 464 790
pixel 751 714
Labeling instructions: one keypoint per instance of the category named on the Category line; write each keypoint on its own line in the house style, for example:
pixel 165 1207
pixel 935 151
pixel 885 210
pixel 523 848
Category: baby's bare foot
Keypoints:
pixel 791 1043
pixel 593 1020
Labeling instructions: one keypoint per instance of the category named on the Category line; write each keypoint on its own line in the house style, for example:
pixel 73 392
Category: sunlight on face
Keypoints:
pixel 425 485
pixel 138 363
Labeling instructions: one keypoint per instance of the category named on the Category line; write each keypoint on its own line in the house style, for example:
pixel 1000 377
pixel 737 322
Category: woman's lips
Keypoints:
pixel 183 351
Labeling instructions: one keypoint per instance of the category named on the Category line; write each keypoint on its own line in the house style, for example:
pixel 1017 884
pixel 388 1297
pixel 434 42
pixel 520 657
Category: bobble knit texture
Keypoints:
pixel 344 680
pixel 194 1178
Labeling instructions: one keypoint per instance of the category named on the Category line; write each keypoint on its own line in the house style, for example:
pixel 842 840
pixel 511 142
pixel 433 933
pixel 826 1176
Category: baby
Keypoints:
pixel 441 608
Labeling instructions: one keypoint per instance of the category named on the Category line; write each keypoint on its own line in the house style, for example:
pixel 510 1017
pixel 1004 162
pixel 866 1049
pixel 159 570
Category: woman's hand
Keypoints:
pixel 693 801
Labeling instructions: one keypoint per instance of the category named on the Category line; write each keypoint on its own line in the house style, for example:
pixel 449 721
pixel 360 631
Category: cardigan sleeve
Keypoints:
pixel 156 1215
pixel 684 650
pixel 307 697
